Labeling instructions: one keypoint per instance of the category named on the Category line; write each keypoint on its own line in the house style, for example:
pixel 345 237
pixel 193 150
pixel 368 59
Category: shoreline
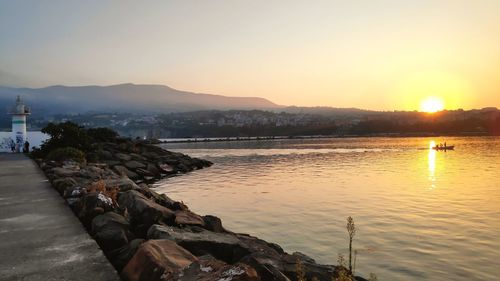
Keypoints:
pixel 264 138
pixel 114 199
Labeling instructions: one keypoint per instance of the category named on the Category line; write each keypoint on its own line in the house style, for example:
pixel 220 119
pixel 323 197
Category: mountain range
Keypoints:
pixel 124 98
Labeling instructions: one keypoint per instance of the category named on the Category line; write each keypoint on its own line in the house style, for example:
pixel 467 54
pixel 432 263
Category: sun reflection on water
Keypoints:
pixel 432 164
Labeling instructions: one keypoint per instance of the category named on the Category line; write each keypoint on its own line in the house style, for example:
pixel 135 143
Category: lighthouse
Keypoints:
pixel 19 113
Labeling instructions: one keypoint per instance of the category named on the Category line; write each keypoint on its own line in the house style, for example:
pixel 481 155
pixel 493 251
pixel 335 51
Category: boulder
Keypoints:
pixel 64 172
pixel 166 168
pixel 119 257
pixel 209 269
pixel 93 204
pixel 73 192
pixel 111 231
pixel 92 172
pixel 144 212
pixel 213 223
pixel 133 165
pixel 137 157
pixel 144 172
pixel 112 163
pixel 188 218
pixel 153 170
pixel 123 183
pixel 122 157
pixel 222 246
pixel 150 155
pixel 70 164
pixel 104 154
pixel 121 170
pixel 162 199
pixel 157 260
pixel 311 268
pixel 269 260
pixel 61 184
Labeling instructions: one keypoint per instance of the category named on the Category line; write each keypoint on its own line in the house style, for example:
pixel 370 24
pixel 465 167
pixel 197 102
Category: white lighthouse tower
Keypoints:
pixel 19 113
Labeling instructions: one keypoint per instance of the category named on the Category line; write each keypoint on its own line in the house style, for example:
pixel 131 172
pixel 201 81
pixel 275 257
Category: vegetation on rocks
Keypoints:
pixel 66 154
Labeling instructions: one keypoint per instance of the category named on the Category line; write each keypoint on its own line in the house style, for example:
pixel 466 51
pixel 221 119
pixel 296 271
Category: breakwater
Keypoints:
pixel 148 236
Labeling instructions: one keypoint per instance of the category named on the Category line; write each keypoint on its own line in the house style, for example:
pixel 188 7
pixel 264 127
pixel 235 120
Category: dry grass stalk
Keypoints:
pixel 100 187
pixel 299 269
pixel 351 229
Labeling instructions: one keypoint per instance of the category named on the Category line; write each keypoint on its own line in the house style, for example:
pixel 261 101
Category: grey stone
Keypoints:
pixel 123 157
pixel 144 212
pixel 126 172
pixel 134 165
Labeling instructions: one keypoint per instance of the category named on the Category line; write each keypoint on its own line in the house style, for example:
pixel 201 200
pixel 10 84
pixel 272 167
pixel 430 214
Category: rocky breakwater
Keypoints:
pixel 148 236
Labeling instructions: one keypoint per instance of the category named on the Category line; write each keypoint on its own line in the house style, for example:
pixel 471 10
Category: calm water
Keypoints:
pixel 420 214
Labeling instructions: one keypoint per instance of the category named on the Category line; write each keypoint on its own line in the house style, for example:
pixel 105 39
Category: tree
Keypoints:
pixel 102 134
pixel 66 134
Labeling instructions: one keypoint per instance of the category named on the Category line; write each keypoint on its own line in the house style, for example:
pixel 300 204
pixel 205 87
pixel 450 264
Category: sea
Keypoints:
pixel 420 214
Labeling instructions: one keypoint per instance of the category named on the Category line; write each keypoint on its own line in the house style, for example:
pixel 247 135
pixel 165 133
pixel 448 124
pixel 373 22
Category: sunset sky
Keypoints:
pixel 381 55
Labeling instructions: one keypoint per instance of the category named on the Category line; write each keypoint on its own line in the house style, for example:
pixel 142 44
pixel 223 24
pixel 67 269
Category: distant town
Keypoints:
pixel 289 122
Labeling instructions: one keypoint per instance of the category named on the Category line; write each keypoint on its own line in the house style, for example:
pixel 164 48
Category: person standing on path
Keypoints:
pixel 26 148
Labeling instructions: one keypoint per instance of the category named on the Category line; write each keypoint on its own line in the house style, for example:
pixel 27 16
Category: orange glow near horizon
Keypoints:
pixel 432 104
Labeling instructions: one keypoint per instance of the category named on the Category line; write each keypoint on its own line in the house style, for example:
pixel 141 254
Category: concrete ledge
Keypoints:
pixel 40 237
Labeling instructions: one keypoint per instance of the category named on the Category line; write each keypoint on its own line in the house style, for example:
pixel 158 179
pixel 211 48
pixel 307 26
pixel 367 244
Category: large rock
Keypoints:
pixel 111 231
pixel 123 184
pixel 123 157
pixel 93 173
pixel 73 192
pixel 209 269
pixel 64 172
pixel 222 246
pixel 150 155
pixel 61 184
pixel 311 268
pixel 112 163
pixel 144 212
pixel 213 223
pixel 268 259
pixel 93 204
pixel 133 165
pixel 188 218
pixel 166 168
pixel 157 260
pixel 137 157
pixel 162 199
pixel 144 173
pixel 121 170
pixel 119 257
pixel 104 154
pixel 153 170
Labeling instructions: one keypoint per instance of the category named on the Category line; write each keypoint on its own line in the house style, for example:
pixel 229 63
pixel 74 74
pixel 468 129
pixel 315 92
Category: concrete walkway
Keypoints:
pixel 40 237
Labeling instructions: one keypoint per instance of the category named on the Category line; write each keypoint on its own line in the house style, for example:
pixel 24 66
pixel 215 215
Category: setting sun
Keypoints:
pixel 432 104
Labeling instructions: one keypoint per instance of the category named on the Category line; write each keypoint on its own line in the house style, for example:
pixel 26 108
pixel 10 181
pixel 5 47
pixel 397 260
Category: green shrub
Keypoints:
pixel 66 134
pixel 66 153
pixel 102 134
pixel 69 134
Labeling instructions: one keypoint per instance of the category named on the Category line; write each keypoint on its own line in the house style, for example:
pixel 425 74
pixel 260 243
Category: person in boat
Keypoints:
pixel 444 144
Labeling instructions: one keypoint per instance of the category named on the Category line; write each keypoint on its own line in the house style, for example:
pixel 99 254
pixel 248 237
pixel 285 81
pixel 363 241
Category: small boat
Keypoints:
pixel 449 147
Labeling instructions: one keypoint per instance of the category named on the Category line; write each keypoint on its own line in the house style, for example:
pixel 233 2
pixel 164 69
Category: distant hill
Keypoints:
pixel 124 98
pixel 327 111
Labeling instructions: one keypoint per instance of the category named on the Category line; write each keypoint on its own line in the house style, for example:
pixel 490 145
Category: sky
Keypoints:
pixel 373 54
